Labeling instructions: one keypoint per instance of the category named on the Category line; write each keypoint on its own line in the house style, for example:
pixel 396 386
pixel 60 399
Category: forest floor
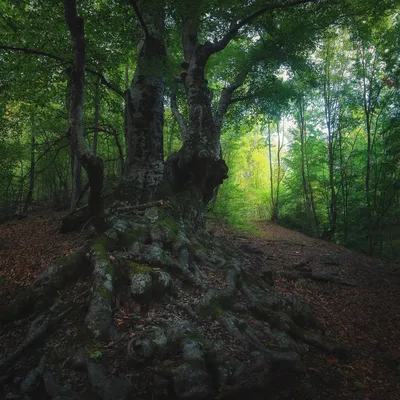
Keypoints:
pixel 365 318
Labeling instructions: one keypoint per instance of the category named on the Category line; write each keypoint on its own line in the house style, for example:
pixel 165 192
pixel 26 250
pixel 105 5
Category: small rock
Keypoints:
pixel 288 361
pixel 240 308
pixel 161 282
pixel 52 388
pixel 141 284
pixel 158 234
pixel 230 369
pixel 179 328
pixel 78 359
pixel 32 380
pixel 192 382
pixel 250 250
pixel 151 214
pixel 106 386
pixel 329 259
pixel 66 393
pixel 285 342
pixel 267 276
pixel 159 337
pixel 192 350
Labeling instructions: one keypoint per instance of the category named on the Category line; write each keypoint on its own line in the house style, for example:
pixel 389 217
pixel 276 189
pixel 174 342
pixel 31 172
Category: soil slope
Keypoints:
pixel 360 307
pixel 365 318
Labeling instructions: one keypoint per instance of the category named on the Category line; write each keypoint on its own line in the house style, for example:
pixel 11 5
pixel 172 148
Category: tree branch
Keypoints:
pixel 235 26
pixel 178 116
pixel 103 80
pixel 226 96
pixel 243 98
pixel 140 17
pixel 34 51
pixel 224 102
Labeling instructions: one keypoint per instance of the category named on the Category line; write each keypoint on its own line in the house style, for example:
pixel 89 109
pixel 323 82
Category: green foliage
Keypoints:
pixel 96 355
pixel 356 73
pixel 314 116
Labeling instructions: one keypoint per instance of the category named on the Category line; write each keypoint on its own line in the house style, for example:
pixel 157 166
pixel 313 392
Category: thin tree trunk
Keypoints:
pixel 96 116
pixel 76 181
pixel 120 154
pixel 330 118
pixel 310 210
pixel 29 197
pixel 126 76
pixel 343 187
pixel 271 179
pixel 280 175
pixel 92 164
pixel 368 111
pixel 76 168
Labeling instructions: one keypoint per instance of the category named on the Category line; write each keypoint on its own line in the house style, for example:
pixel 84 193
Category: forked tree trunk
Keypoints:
pixel 198 168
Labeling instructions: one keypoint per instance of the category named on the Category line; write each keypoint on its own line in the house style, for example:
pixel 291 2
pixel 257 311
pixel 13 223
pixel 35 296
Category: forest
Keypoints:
pixel 189 194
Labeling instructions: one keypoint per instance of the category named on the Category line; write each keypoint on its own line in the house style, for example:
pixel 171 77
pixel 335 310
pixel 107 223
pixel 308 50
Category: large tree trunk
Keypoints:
pixel 144 112
pixel 198 168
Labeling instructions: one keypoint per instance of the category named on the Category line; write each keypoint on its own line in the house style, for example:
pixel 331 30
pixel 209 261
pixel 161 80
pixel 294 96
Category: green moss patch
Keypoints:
pixel 213 309
pixel 136 268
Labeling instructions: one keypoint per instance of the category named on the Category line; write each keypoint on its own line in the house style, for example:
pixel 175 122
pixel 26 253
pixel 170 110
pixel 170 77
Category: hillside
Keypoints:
pixel 359 307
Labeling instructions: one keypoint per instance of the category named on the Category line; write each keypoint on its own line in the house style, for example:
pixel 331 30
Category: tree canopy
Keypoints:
pixel 304 93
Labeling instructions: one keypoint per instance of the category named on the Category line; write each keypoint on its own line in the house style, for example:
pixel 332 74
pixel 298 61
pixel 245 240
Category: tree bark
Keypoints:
pixel 76 168
pixel 96 116
pixel 271 178
pixel 197 169
pixel 29 197
pixel 331 116
pixel 308 198
pixel 76 179
pixel 144 112
pixel 92 164
pixel 281 173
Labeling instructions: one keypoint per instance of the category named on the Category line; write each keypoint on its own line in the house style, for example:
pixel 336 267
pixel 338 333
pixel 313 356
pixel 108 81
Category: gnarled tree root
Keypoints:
pixel 42 292
pixel 37 330
pixel 159 260
pixel 315 276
